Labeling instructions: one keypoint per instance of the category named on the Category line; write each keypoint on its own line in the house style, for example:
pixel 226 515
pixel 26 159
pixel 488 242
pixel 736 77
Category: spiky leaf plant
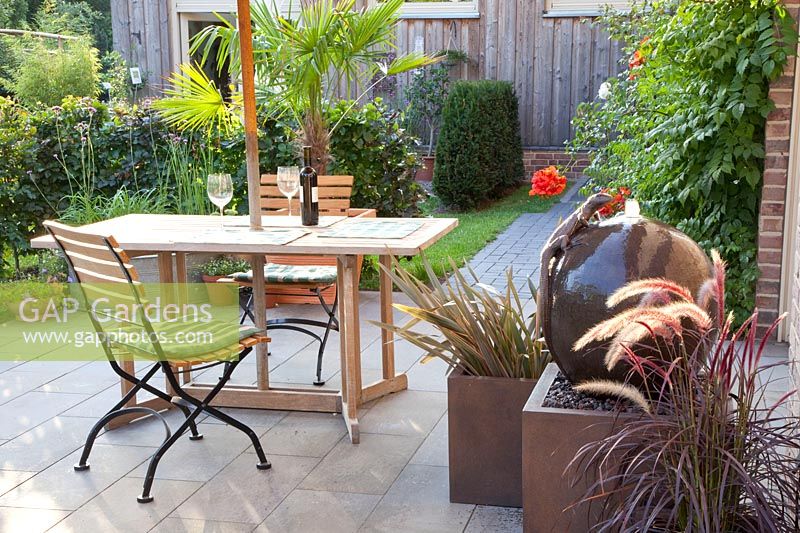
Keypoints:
pixel 478 329
pixel 713 453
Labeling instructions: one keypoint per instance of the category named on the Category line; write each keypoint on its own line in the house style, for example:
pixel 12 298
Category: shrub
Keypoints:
pixel 684 125
pixel 47 76
pixel 370 145
pixel 479 154
pixel 17 143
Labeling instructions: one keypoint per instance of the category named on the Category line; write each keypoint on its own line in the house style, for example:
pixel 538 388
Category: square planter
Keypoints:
pixel 485 442
pixel 550 439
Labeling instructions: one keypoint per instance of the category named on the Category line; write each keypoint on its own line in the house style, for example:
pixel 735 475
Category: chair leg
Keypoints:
pixel 201 406
pixel 159 393
pixel 113 412
pixel 332 322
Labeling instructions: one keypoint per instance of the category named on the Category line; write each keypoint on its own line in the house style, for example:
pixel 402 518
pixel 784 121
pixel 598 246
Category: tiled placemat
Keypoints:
pixel 373 229
pixel 266 236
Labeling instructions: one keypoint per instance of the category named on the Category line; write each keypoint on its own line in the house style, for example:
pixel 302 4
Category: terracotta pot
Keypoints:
pixel 551 437
pixel 218 293
pixel 484 427
pixel 425 172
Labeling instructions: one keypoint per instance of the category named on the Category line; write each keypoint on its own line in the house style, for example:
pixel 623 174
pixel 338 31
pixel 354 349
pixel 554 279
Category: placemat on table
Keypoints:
pixel 266 236
pixel 373 229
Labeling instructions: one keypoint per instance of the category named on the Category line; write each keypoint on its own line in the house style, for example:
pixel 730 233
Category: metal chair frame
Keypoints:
pixel 190 406
pixel 294 324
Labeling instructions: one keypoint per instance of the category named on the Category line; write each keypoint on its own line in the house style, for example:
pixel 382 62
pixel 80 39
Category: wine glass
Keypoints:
pixel 220 192
pixel 289 183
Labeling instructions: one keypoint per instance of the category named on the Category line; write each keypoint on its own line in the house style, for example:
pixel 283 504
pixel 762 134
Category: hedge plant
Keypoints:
pixel 683 124
pixel 479 152
pixel 84 160
pixel 370 144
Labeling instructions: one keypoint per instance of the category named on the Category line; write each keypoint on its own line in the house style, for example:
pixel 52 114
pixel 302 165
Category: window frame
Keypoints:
pixel 549 12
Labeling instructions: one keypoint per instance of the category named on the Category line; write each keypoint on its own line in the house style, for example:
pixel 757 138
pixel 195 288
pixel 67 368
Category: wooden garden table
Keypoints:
pixel 171 237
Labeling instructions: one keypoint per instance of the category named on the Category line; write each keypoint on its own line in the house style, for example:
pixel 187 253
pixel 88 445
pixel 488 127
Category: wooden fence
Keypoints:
pixel 554 62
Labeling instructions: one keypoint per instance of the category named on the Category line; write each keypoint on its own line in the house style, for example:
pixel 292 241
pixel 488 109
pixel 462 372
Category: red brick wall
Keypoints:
pixel 536 158
pixel 771 239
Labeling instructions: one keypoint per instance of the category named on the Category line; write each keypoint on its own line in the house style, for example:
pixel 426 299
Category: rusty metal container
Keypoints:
pixel 485 438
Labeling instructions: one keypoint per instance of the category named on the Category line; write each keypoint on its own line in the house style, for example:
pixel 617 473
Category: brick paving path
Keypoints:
pixel 520 244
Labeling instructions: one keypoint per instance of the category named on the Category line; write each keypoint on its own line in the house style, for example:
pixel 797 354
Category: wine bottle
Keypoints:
pixel 309 192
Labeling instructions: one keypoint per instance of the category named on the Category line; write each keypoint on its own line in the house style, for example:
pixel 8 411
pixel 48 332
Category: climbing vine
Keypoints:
pixel 684 124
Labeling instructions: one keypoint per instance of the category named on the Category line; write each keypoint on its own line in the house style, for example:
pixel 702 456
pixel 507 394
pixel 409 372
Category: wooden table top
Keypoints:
pixel 184 233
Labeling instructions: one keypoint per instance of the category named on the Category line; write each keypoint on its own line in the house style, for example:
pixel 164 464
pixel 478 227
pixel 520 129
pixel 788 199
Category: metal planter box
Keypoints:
pixel 485 438
pixel 550 439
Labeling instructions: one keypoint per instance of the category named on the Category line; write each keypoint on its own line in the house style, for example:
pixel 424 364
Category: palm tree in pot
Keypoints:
pixel 320 52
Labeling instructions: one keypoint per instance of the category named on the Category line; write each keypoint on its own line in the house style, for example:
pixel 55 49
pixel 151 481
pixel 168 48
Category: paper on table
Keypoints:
pixel 373 229
pixel 266 236
pixel 280 221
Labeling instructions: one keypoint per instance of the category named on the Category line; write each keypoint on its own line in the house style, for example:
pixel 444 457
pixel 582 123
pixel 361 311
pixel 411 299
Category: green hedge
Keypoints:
pixel 370 144
pixel 479 153
pixel 48 154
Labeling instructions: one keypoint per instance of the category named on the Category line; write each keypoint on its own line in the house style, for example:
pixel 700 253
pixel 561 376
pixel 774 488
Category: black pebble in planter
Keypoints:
pixel 485 438
pixel 551 437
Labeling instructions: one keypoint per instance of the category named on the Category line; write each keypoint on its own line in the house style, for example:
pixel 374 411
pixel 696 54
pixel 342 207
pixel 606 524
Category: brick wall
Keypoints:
pixel 783 97
pixel 771 239
pixel 536 158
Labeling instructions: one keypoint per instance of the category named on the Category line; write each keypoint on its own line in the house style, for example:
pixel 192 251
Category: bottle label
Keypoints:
pixel 314 195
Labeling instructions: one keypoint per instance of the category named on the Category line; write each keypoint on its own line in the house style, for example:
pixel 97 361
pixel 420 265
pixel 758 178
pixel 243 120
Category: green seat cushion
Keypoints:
pixel 275 273
pixel 189 341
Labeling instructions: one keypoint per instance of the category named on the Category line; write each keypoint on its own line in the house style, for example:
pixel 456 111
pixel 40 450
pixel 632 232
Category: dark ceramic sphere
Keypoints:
pixel 604 257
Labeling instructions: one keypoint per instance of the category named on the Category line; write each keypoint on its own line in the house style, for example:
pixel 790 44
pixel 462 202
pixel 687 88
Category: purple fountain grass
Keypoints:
pixel 711 454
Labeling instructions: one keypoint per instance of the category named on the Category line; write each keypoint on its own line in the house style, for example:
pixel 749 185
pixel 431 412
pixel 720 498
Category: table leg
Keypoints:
pixel 166 275
pixel 390 381
pixel 387 317
pixel 260 314
pixel 349 335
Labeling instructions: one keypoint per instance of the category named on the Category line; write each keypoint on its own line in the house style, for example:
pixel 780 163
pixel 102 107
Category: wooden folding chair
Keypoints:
pixel 304 279
pixel 100 266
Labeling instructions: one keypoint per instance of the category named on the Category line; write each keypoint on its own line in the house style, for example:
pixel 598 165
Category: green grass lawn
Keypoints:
pixel 475 229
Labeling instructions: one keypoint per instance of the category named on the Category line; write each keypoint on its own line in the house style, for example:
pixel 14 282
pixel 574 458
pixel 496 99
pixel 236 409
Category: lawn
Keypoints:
pixel 475 229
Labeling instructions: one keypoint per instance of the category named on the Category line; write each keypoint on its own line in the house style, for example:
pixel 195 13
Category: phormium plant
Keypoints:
pixel 480 330
pixel 713 452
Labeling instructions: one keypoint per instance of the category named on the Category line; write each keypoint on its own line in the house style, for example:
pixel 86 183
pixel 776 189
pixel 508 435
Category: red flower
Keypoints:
pixel 616 205
pixel 547 182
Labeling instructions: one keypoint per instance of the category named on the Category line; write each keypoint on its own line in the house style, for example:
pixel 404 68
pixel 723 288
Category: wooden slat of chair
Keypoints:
pixel 94 262
pixel 334 196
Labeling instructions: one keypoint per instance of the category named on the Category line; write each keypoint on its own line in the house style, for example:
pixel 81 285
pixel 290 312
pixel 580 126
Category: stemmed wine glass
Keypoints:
pixel 220 192
pixel 289 183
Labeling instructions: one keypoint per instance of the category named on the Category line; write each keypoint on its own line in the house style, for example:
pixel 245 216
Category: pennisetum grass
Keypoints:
pixel 713 453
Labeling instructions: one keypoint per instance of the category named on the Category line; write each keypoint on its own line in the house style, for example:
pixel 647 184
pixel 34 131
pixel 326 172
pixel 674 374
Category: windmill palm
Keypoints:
pixel 328 49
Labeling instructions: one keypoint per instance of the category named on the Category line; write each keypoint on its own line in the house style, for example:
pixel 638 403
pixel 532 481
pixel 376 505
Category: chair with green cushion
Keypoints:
pixel 106 276
pixel 304 278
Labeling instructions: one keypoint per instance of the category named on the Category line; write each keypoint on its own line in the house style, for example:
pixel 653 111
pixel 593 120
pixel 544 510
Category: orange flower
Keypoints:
pixel 547 182
pixel 637 60
pixel 616 205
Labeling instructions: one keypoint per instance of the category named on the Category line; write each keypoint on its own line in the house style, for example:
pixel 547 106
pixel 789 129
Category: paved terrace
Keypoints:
pixel 395 480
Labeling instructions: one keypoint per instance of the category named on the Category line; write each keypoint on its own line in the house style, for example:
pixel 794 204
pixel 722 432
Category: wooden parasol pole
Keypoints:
pixel 250 120
pixel 253 182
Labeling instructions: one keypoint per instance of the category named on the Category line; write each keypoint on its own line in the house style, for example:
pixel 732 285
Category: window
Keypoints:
pixel 439 9
pixel 584 7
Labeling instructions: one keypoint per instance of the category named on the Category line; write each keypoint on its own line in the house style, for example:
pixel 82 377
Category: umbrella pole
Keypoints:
pixel 250 120
pixel 253 182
